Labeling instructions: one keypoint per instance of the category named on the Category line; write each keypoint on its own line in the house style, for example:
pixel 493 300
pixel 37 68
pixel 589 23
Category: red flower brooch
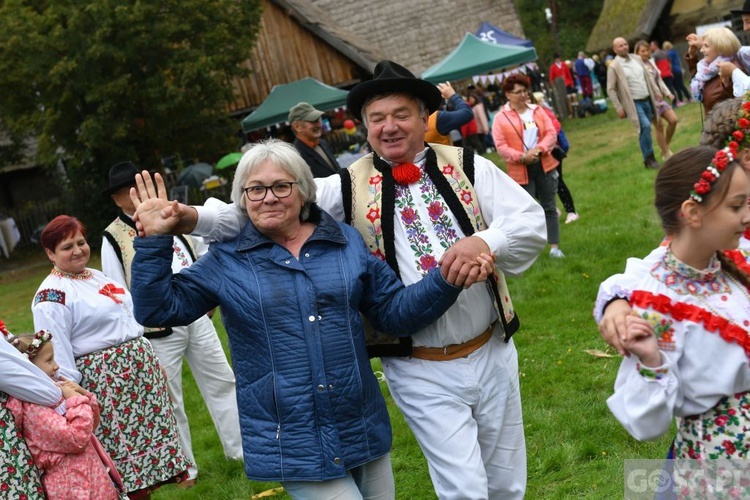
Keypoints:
pixel 406 173
pixel 711 174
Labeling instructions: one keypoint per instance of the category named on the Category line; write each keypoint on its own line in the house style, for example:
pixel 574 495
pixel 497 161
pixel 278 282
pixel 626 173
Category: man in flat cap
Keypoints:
pixel 307 127
pixel 417 205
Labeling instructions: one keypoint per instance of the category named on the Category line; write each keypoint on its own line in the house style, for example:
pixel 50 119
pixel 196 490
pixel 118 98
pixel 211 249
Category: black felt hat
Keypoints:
pixel 121 175
pixel 745 9
pixel 390 77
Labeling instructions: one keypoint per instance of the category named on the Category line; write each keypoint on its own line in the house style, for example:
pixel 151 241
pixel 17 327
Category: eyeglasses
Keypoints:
pixel 279 190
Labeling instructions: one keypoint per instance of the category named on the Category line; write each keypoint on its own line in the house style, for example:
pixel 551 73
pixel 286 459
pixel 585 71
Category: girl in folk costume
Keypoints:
pixel 19 378
pixel 99 344
pixel 74 465
pixel 688 336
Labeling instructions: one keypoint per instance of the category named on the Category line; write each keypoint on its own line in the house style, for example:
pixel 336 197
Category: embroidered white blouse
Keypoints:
pixel 516 234
pixel 695 317
pixel 84 315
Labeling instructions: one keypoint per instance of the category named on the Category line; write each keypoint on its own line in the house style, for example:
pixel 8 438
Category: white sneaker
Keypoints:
pixel 572 217
pixel 556 253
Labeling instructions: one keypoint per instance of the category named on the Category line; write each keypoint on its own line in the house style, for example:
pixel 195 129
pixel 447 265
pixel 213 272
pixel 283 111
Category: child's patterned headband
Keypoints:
pixel 711 174
pixel 40 338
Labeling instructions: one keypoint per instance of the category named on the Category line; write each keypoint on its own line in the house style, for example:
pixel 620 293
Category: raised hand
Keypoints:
pixel 154 213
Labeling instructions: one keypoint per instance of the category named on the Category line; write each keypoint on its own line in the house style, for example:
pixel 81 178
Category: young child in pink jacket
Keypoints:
pixel 73 462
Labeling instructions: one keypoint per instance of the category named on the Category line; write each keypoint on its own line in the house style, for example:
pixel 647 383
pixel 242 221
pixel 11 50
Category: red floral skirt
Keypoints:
pixel 138 427
pixel 19 477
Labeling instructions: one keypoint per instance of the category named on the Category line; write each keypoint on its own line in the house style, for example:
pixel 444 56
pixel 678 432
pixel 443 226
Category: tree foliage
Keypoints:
pixel 99 81
pixel 575 21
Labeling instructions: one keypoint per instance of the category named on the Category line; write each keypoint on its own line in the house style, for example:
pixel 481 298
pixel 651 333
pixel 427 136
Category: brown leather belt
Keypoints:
pixel 453 351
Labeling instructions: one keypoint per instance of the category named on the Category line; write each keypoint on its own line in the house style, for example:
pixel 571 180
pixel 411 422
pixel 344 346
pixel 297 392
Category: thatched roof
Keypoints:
pixel 415 33
pixel 630 19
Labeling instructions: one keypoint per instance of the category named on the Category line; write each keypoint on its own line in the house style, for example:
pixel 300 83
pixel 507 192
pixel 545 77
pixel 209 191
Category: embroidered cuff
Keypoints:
pixel 650 373
pixel 606 296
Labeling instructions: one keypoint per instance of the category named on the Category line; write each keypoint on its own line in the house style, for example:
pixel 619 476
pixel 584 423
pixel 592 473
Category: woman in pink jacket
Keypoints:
pixel 74 464
pixel 524 135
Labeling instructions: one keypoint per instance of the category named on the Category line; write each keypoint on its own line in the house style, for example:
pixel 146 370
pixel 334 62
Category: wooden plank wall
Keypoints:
pixel 285 52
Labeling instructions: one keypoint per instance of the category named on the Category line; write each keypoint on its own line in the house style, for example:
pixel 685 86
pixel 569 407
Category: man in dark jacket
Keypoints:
pixel 307 127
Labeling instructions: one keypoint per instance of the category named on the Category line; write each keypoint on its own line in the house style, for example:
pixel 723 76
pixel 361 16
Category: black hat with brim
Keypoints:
pixel 745 9
pixel 392 78
pixel 121 175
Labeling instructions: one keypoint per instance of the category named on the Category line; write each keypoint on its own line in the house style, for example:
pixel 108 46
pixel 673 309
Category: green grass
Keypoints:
pixel 576 448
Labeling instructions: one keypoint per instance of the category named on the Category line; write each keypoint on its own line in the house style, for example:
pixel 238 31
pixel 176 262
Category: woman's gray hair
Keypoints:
pixel 284 156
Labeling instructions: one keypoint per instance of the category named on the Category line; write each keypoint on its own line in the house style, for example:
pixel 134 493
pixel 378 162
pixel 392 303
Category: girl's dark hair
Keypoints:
pixel 675 180
pixel 514 79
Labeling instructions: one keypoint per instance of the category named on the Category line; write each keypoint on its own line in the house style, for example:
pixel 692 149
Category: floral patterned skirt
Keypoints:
pixel 721 432
pixel 19 477
pixel 138 427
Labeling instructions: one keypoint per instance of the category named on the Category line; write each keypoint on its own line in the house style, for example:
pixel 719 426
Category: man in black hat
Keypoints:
pixel 417 205
pixel 745 13
pixel 308 128
pixel 197 342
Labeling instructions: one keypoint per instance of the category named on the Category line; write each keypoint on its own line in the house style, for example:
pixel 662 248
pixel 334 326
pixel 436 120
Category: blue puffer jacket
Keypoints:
pixel 310 406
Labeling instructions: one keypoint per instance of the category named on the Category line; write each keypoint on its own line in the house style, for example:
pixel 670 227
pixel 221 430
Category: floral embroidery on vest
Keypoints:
pixel 462 188
pixel 375 230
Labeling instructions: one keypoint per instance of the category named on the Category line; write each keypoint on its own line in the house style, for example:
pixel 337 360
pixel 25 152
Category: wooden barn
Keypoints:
pixel 339 43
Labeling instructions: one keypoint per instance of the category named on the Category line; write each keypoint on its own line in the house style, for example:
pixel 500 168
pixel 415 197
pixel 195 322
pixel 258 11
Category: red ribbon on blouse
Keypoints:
pixel 110 290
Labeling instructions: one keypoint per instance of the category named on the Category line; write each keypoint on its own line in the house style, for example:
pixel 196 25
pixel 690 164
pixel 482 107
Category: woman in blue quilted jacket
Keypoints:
pixel 291 288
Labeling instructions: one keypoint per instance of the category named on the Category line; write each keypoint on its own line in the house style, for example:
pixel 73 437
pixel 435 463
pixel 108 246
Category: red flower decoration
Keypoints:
pixel 427 262
pixel 406 173
pixel 376 179
pixel 373 214
pixel 743 123
pixel 448 169
pixel 702 186
pixel 733 147
pixel 738 134
pixel 708 176
pixel 721 160
pixel 466 197
pixel 746 106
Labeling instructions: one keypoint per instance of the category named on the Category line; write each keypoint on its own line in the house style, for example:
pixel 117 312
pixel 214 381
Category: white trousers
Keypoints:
pixel 199 344
pixel 466 415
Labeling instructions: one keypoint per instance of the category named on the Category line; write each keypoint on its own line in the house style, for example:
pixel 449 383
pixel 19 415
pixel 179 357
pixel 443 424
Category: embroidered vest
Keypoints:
pixel 364 190
pixel 121 235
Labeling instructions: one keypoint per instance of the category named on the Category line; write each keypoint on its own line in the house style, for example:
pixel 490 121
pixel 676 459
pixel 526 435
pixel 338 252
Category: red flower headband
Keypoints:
pixel 713 171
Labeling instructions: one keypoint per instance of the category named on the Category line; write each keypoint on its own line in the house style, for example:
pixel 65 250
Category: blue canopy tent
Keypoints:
pixel 474 57
pixel 275 109
pixel 493 34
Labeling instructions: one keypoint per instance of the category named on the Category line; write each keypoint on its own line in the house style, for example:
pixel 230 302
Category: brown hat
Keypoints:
pixel 390 77
pixel 121 175
pixel 304 112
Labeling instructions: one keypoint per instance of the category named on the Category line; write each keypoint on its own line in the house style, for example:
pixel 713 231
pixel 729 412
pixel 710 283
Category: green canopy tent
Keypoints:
pixel 275 109
pixel 475 57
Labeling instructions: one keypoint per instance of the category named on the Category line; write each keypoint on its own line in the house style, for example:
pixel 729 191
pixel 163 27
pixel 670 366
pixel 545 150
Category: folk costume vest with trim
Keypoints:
pixel 121 234
pixel 368 194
